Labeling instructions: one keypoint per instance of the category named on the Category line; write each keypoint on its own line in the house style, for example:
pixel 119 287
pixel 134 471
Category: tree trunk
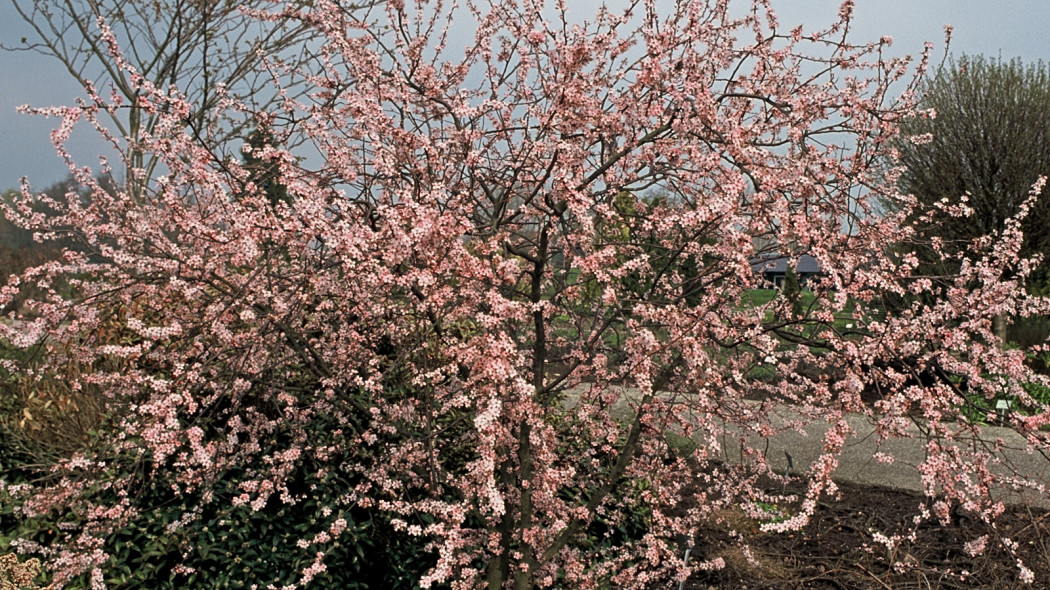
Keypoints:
pixel 999 324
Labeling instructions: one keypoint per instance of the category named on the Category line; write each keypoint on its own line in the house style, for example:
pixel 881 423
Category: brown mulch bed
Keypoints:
pixel 836 550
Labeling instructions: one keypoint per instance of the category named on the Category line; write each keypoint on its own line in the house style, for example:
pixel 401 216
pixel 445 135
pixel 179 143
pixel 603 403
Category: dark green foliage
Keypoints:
pixel 980 409
pixel 628 522
pixel 13 238
pixel 15 260
pixel 1030 331
pixel 626 514
pixel 792 290
pixel 227 546
pixel 264 173
pixel 19 250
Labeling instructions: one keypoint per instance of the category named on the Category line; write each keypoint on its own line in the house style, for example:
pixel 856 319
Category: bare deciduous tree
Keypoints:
pixel 984 141
pixel 206 49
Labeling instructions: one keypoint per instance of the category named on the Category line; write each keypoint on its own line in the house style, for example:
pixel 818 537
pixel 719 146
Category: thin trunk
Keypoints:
pixel 999 328
pixel 132 182
pixel 623 460
pixel 499 565
pixel 523 575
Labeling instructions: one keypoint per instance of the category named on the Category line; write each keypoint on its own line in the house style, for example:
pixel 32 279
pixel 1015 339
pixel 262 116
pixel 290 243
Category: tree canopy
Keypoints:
pixel 454 335
pixel 982 140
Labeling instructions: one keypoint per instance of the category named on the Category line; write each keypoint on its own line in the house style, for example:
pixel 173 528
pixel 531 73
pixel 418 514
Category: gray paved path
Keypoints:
pixel 858 465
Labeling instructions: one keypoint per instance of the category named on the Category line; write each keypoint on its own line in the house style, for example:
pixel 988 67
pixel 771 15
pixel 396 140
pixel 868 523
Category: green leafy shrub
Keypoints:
pixel 981 409
pixel 1026 332
pixel 226 544
pixel 177 536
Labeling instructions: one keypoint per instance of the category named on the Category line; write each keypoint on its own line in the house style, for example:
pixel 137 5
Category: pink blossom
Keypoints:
pixel 472 314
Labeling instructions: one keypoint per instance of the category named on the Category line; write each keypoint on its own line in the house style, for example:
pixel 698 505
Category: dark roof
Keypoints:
pixel 777 264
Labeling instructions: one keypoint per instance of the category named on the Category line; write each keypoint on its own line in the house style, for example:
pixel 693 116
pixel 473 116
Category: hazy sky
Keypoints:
pixel 1010 28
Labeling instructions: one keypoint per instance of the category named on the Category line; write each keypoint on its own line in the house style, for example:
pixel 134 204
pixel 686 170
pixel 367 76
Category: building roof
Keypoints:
pixel 777 264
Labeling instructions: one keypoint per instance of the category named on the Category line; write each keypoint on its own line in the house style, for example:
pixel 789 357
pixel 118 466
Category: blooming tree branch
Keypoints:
pixel 512 270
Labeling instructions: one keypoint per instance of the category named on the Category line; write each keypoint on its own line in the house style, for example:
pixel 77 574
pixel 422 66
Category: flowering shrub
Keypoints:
pixel 452 321
pixel 172 540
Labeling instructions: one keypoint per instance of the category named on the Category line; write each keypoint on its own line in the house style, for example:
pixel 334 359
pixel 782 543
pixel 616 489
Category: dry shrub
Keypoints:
pixel 49 410
pixel 735 537
pixel 18 576
pixel 47 416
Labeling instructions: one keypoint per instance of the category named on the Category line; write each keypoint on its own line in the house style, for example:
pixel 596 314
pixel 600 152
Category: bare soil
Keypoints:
pixel 837 549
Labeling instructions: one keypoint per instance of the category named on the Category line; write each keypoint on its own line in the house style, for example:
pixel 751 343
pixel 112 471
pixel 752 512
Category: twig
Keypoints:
pixel 873 576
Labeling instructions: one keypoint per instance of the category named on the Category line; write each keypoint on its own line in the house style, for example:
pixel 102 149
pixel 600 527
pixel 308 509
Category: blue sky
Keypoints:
pixel 1010 28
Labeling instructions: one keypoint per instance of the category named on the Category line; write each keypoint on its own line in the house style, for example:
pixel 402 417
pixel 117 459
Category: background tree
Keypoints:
pixel 18 248
pixel 792 289
pixel 210 51
pixel 982 142
pixel 263 174
pixel 464 327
